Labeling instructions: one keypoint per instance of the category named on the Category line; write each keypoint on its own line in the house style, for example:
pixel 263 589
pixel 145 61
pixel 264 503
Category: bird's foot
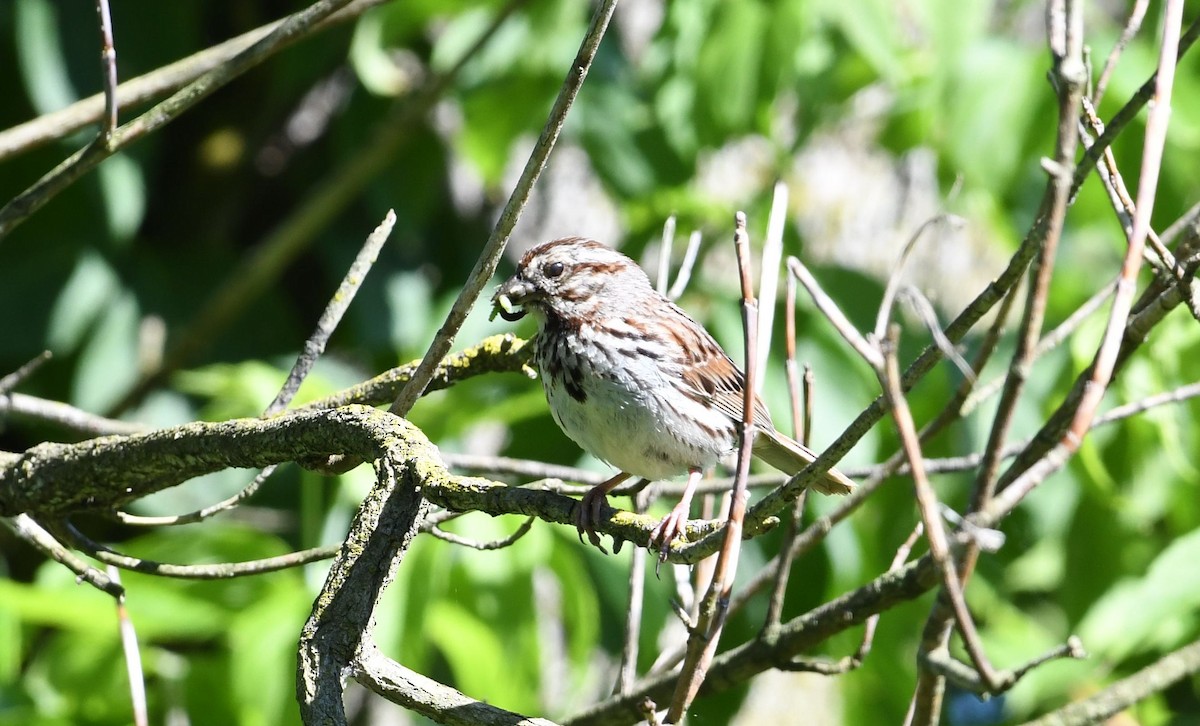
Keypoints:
pixel 667 530
pixel 588 513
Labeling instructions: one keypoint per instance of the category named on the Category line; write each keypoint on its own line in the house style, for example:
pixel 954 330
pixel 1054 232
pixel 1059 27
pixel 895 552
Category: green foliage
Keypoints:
pixel 1106 549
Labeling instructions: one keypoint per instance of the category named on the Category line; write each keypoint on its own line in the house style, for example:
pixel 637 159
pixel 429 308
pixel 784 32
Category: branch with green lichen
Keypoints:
pixel 57 479
pixel 53 480
pixel 498 354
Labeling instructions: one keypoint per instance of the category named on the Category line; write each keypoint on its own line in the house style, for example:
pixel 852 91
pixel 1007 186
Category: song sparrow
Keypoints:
pixel 633 379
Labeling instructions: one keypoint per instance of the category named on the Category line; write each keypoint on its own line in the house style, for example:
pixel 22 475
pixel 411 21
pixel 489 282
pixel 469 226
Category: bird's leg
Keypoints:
pixel 668 529
pixel 591 506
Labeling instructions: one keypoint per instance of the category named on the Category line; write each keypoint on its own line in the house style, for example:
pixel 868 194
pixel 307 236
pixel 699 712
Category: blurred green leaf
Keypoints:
pixel 73 679
pixel 108 362
pixel 234 390
pixel 11 644
pixel 871 28
pixel 92 284
pixel 78 608
pixel 408 298
pixel 977 112
pixel 477 657
pixel 495 114
pixel 1152 611
pixel 124 192
pixel 40 53
pixel 729 65
pixel 262 641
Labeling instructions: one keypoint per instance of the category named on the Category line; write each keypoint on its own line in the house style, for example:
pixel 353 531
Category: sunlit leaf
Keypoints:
pixel 81 301
pixel 108 362
pixel 124 193
pixel 1154 610
pixel 41 55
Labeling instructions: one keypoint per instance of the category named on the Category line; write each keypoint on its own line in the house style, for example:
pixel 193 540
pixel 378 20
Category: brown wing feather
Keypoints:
pixel 710 373
pixel 712 377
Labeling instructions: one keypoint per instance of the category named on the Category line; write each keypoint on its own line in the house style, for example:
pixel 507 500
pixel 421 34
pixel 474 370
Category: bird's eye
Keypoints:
pixel 553 269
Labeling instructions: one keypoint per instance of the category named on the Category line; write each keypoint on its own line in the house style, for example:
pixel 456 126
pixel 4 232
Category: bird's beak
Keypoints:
pixel 514 292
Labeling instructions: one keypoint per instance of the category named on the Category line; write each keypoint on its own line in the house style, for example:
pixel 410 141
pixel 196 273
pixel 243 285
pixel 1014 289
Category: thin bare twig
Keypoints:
pixel 426 696
pixel 801 430
pixel 930 509
pixel 489 257
pixel 920 305
pixel 893 284
pixel 768 286
pixel 108 67
pixel 684 275
pixel 63 414
pixel 553 474
pixel 702 645
pixel 220 571
pixel 1186 220
pixel 473 544
pixel 314 347
pixel 1126 210
pixel 331 317
pixel 28 529
pixel 627 672
pixel 664 255
pixel 74 167
pixel 22 374
pixel 133 657
pixel 1159 399
pixel 1154 678
pixel 702 572
pixel 832 313
pixel 945 666
pixel 1122 202
pixel 1136 14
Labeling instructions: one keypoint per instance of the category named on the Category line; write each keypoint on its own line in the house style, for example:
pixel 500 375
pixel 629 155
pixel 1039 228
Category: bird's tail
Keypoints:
pixel 790 456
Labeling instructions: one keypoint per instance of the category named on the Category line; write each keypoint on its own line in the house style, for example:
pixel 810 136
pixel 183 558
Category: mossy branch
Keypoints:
pixel 498 354
pixel 111 471
pixel 51 480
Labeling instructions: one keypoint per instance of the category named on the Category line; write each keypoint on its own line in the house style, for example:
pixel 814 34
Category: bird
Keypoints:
pixel 634 380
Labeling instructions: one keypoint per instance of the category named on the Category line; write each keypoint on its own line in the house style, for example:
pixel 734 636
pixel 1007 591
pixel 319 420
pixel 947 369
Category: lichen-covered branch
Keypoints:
pixel 341 622
pixel 424 695
pixel 108 472
pixel 498 354
pixel 111 471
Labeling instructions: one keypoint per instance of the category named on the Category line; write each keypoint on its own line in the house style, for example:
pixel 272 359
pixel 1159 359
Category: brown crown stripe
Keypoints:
pixel 606 269
pixel 583 242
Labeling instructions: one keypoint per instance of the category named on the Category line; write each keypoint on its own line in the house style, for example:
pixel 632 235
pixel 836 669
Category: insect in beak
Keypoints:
pixel 504 308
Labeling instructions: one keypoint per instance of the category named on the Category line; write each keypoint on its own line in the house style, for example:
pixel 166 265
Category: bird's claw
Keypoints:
pixel 665 532
pixel 587 514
